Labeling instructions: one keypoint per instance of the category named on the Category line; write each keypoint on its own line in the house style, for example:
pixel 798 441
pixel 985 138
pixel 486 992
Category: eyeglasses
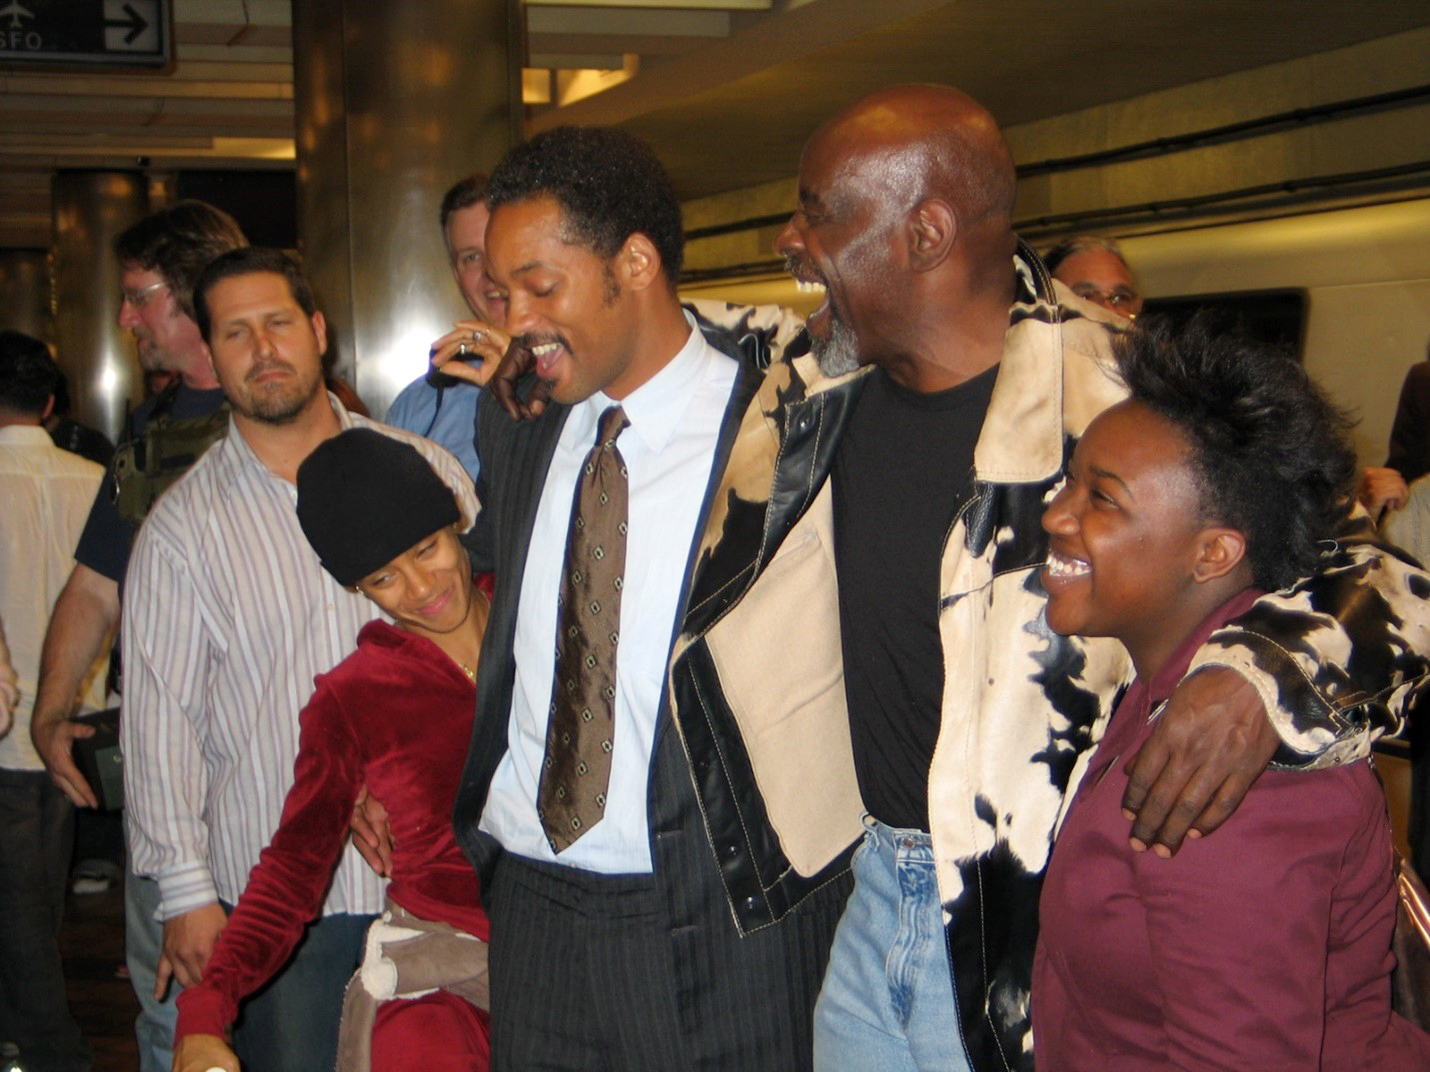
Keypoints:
pixel 1119 300
pixel 141 297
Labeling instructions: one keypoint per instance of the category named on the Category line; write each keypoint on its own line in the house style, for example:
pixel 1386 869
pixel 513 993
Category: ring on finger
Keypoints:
pixel 462 349
pixel 478 336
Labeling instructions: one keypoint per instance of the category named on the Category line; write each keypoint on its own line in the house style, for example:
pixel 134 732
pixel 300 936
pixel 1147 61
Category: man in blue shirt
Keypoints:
pixel 441 407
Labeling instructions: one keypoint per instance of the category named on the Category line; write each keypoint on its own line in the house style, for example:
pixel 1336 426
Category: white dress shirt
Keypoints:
pixel 45 495
pixel 228 616
pixel 668 449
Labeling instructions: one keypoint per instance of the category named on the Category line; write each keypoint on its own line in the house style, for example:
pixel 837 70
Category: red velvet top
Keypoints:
pixel 396 715
pixel 1264 945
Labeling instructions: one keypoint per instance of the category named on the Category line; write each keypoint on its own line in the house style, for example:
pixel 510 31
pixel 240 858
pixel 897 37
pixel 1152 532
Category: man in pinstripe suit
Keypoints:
pixel 626 949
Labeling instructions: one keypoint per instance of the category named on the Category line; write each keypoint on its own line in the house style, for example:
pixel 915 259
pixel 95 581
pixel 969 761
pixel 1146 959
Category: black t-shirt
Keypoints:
pixel 904 468
pixel 105 542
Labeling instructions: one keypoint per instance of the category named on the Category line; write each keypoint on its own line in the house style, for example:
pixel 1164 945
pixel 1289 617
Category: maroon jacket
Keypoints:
pixel 1265 945
pixel 396 714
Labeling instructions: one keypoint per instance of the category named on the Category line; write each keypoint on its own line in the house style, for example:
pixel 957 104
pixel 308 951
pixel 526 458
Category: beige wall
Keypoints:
pixel 1362 142
pixel 1384 139
pixel 1364 268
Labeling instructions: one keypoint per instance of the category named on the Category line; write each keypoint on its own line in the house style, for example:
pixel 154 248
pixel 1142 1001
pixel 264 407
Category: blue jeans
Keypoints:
pixel 36 836
pixel 291 1025
pixel 887 1003
pixel 143 941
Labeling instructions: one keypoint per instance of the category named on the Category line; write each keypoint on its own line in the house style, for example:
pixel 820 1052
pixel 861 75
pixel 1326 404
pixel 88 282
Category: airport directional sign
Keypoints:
pixel 87 33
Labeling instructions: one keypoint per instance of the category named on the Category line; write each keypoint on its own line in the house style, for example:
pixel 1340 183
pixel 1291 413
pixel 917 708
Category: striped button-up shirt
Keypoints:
pixel 228 616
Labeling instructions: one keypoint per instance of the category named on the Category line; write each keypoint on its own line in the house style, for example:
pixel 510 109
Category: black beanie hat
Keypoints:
pixel 364 498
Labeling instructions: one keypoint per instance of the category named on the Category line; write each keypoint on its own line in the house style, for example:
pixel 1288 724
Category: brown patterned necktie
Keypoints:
pixel 581 727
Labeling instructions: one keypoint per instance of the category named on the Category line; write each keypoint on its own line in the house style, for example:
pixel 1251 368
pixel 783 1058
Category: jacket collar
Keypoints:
pixel 1022 438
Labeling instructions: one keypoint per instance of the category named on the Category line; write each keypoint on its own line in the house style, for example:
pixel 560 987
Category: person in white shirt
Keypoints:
pixel 159 258
pixel 9 685
pixel 228 616
pixel 46 494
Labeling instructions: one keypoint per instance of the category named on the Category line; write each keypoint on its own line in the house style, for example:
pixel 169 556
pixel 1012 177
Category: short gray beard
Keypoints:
pixel 840 355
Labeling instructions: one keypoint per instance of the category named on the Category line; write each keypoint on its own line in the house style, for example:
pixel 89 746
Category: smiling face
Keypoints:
pixel 426 590
pixel 1131 554
pixel 267 352
pixel 466 234
pixel 841 238
pixel 167 339
pixel 570 306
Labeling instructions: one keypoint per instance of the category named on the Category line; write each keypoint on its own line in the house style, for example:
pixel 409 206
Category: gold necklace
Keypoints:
pixel 471 674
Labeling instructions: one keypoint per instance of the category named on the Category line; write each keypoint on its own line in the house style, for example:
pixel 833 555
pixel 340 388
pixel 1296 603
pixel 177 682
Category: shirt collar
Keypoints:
pixel 236 456
pixel 656 408
pixel 25 435
pixel 1165 681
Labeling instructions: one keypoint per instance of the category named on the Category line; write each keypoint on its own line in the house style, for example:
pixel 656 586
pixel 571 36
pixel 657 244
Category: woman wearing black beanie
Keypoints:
pixel 396 716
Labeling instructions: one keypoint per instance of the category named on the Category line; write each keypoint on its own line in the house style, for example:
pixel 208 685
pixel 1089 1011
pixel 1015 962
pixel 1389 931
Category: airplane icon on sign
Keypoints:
pixel 16 11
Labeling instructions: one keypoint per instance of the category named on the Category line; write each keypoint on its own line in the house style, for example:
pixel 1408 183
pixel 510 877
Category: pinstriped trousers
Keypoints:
pixel 648 973
pixel 589 976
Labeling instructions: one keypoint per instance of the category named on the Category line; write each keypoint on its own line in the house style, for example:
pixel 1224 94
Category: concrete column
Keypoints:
pixel 25 292
pixel 90 209
pixel 394 103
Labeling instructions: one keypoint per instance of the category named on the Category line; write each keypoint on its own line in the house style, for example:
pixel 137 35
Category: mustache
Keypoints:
pixel 264 367
pixel 800 268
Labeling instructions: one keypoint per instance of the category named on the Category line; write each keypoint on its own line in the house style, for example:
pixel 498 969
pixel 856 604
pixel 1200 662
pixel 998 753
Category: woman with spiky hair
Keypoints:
pixel 1266 944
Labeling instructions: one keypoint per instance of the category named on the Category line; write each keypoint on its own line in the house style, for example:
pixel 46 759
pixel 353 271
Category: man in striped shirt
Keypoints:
pixel 227 618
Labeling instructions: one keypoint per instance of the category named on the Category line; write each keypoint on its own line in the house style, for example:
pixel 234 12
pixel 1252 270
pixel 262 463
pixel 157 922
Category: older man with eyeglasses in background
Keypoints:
pixel 1094 269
